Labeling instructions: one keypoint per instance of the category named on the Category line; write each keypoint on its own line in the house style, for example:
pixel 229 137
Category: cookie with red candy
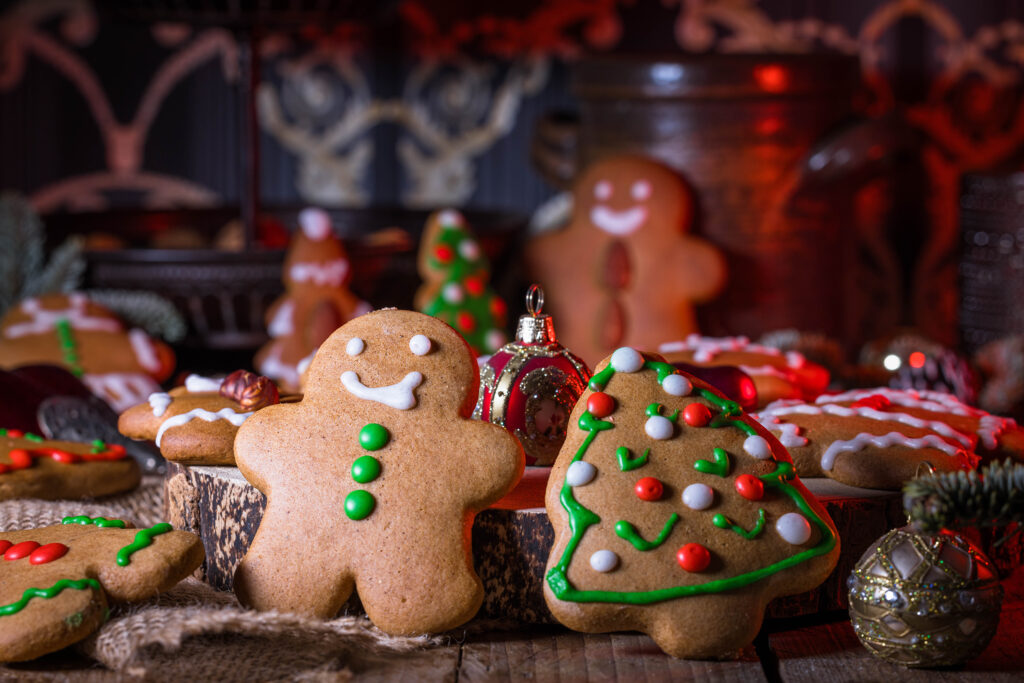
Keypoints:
pixel 676 514
pixel 57 582
pixel 34 467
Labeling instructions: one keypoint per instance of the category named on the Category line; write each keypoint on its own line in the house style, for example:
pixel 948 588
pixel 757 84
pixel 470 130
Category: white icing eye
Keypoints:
pixel 469 250
pixel 641 190
pixel 698 496
pixel 603 190
pixel 658 427
pixel 419 345
pixel 580 473
pixel 495 339
pixel 452 293
pixel 793 528
pixel 677 385
pixel 757 447
pixel 627 359
pixel 604 561
pixel 355 346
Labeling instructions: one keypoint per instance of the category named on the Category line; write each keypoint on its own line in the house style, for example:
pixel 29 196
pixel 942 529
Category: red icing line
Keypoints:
pixel 20 550
pixel 47 553
pixel 22 458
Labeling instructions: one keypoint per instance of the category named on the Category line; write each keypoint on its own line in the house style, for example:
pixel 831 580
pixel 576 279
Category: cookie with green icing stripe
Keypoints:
pixel 676 514
pixel 57 582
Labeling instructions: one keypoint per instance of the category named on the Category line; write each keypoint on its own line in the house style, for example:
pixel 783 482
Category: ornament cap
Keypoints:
pixel 535 327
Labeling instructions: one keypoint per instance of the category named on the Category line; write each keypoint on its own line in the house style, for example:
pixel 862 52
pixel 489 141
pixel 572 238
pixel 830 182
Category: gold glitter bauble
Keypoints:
pixel 924 600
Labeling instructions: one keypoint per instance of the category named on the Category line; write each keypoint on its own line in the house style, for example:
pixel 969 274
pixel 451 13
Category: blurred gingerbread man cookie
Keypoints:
pixel 626 270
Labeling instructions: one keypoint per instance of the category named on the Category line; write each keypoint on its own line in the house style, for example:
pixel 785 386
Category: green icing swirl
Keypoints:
pixel 723 522
pixel 47 593
pixel 143 539
pixel 627 462
pixel 720 467
pixel 101 522
pixel 627 531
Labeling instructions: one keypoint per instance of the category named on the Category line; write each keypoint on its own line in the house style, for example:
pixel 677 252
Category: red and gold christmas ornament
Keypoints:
pixel 530 385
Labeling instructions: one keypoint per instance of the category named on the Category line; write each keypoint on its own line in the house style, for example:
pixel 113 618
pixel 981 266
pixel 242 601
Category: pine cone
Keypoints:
pixel 252 391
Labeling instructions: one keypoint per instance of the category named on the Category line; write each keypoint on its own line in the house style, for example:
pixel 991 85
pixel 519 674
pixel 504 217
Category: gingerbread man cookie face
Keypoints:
pixel 675 514
pixel 56 582
pixel 34 467
pixel 376 476
pixel 626 270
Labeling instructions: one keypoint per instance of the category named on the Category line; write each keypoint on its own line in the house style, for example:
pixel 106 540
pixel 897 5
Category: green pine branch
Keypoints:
pixel 956 500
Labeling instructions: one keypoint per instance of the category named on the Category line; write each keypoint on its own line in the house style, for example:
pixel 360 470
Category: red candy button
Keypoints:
pixel 20 458
pixel 649 489
pixel 498 307
pixel 47 553
pixel 15 433
pixel 20 550
pixel 443 254
pixel 693 557
pixel 600 404
pixel 696 415
pixel 465 322
pixel 4 545
pixel 750 487
pixel 474 286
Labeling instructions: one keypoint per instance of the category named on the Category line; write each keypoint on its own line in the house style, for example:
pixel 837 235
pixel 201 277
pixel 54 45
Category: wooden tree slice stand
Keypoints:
pixel 510 540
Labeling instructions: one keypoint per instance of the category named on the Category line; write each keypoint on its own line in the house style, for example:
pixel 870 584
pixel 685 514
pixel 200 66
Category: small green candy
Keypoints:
pixel 359 505
pixel 373 437
pixel 365 469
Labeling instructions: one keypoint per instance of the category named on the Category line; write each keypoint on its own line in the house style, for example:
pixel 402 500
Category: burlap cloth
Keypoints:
pixel 196 633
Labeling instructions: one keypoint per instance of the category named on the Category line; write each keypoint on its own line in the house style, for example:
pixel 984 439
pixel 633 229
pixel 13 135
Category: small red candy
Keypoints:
pixel 15 433
pixel 20 458
pixel 4 545
pixel 693 557
pixel 498 308
pixel 47 553
pixel 600 404
pixel 62 457
pixel 696 415
pixel 649 489
pixel 20 550
pixel 443 253
pixel 474 286
pixel 465 321
pixel 750 487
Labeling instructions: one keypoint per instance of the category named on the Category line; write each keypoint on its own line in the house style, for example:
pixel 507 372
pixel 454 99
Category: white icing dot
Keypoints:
pixel 604 561
pixel 355 346
pixel 316 223
pixel 450 218
pixel 197 384
pixel 677 385
pixel 757 447
pixel 627 359
pixel 419 345
pixel 698 496
pixel 794 528
pixel 658 427
pixel 580 473
pixel 495 339
pixel 452 293
pixel 469 250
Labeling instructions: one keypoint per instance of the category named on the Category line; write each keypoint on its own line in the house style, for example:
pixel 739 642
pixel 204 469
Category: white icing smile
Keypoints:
pixel 399 396
pixel 618 222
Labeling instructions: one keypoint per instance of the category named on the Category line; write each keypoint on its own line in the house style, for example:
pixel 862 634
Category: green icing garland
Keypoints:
pixel 68 347
pixel 143 539
pixel 47 593
pixel 581 517
pixel 101 522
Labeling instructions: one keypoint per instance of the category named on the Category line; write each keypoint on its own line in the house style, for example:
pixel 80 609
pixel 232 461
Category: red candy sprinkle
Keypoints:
pixel 649 489
pixel 693 557
pixel 47 553
pixel 20 550
pixel 465 321
pixel 498 308
pixel 4 545
pixel 15 433
pixel 20 458
pixel 600 404
pixel 750 487
pixel 696 415
pixel 474 286
pixel 443 253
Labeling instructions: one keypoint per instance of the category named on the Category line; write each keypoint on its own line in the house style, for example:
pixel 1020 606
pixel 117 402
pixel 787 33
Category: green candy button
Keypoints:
pixel 359 505
pixel 373 437
pixel 365 469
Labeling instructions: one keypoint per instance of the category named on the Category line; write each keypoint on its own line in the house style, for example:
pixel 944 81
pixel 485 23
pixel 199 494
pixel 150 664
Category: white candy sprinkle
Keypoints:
pixel 627 359
pixel 580 473
pixel 419 345
pixel 355 346
pixel 698 496
pixel 495 339
pixel 452 293
pixel 604 561
pixel 757 447
pixel 658 427
pixel 469 250
pixel 677 385
pixel 450 218
pixel 793 528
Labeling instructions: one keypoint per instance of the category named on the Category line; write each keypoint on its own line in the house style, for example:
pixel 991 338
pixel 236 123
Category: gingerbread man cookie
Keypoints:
pixel 120 366
pixel 34 467
pixel 315 303
pixel 195 424
pixel 776 374
pixel 675 514
pixel 56 582
pixel 626 270
pixel 373 479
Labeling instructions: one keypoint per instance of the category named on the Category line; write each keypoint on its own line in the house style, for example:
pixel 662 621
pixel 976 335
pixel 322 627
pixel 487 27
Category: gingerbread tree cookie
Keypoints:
pixel 120 366
pixel 626 270
pixel 316 300
pixel 374 479
pixel 34 467
pixel 455 283
pixel 675 514
pixel 56 582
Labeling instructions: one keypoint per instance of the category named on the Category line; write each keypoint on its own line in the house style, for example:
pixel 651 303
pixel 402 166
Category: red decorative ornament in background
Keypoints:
pixel 530 385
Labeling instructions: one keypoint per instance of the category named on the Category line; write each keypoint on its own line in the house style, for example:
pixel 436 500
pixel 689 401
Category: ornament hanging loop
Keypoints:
pixel 534 300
